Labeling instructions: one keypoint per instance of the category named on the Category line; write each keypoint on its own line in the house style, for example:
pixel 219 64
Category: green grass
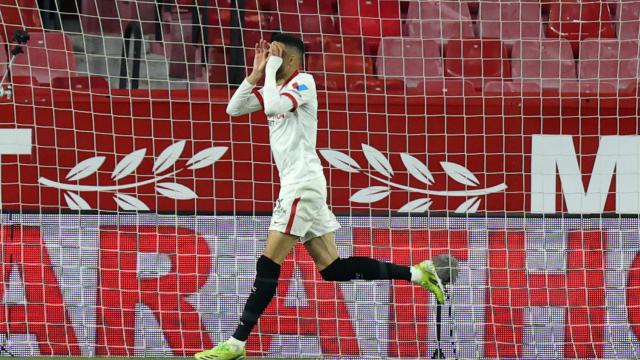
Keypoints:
pixel 138 358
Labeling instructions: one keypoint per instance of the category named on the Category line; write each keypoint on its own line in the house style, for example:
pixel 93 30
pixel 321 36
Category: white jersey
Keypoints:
pixel 293 132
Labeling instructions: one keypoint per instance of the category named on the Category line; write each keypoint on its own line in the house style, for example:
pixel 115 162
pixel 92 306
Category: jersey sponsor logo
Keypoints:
pixel 275 118
pixel 299 87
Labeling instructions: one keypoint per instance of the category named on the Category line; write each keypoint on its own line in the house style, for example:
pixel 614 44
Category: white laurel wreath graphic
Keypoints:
pixel 125 167
pixel 419 171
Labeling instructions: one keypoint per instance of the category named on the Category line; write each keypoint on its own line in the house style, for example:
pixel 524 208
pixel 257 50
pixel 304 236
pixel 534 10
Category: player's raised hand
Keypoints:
pixel 259 61
pixel 276 49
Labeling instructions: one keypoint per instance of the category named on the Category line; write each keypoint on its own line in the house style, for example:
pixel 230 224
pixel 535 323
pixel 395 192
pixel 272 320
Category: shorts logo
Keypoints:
pixel 279 209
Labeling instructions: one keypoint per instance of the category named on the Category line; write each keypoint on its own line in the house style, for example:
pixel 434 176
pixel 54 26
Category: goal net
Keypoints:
pixel 504 133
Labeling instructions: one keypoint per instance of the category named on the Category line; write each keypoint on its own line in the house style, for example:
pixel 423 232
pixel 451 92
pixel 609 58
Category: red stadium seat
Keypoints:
pixel 80 83
pixel 444 87
pixel 260 22
pixel 439 20
pixel 628 20
pixel 143 11
pixel 341 63
pixel 578 21
pixel 548 63
pixel 411 60
pixel 477 60
pixel 378 86
pixel 4 58
pixel 513 88
pixel 99 17
pixel 47 55
pixel 510 21
pixel 219 21
pixel 306 17
pixel 609 61
pixel 18 14
pixel 183 55
pixel 371 19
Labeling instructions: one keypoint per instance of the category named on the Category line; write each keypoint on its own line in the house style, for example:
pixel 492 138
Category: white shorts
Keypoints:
pixel 301 210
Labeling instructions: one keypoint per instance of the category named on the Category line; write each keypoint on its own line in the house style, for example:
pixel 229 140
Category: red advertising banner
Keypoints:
pixel 180 151
pixel 160 285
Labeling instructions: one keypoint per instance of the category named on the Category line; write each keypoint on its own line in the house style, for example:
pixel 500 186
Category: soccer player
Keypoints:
pixel 289 100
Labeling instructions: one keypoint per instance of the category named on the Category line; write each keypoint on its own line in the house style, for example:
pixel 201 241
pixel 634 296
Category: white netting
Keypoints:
pixel 504 133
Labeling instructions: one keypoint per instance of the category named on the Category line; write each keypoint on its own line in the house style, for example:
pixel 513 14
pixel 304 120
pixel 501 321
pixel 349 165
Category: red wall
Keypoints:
pixel 490 136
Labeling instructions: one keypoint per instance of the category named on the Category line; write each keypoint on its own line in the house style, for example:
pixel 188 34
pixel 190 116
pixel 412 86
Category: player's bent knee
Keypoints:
pixel 337 271
pixel 267 269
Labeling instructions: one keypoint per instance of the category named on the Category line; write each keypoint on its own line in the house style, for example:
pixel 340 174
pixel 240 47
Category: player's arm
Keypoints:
pixel 247 99
pixel 274 102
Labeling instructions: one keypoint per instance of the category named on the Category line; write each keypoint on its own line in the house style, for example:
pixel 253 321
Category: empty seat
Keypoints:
pixel 4 59
pixel 180 49
pixel 439 20
pixel 80 83
pixel 99 17
pixel 548 63
pixel 305 16
pixel 371 19
pixel 46 56
pixel 143 11
pixel 260 22
pixel 628 20
pixel 578 21
pixel 340 64
pixel 218 21
pixel 411 60
pixel 18 15
pixel 609 61
pixel 510 20
pixel 477 60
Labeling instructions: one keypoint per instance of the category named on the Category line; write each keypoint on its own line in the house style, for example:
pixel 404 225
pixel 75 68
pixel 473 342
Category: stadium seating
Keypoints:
pixel 182 52
pixel 439 20
pixel 260 21
pixel 610 61
pixel 411 60
pixel 345 39
pixel 548 62
pixel 477 60
pixel 628 20
pixel 341 64
pixel 578 21
pixel 18 14
pixel 370 18
pixel 509 21
pixel 4 59
pixel 305 17
pixel 80 83
pixel 46 56
pixel 99 17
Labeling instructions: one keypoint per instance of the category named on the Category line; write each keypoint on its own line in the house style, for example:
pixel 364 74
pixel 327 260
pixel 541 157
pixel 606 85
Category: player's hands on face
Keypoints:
pixel 259 61
pixel 276 49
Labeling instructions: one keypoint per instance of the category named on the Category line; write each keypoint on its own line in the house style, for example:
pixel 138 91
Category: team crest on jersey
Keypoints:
pixel 299 87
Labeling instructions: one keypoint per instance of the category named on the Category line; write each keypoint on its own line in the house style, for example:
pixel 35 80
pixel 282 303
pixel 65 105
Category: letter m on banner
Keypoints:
pixel 555 155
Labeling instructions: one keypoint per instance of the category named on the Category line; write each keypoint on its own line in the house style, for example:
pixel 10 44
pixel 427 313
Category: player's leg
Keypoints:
pixel 324 252
pixel 264 288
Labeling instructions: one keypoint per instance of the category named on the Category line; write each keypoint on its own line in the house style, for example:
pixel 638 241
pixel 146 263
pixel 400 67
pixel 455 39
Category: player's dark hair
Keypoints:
pixel 289 40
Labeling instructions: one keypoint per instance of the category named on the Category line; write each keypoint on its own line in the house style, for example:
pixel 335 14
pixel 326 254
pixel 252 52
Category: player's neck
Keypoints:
pixel 285 77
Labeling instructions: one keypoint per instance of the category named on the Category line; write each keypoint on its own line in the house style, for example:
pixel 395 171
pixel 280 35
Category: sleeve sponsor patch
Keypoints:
pixel 299 87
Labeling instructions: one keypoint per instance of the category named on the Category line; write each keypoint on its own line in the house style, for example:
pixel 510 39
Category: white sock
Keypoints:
pixel 416 275
pixel 236 344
